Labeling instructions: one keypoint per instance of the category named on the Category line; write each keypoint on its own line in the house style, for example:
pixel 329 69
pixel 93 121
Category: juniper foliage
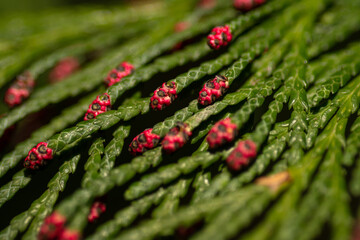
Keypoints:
pixel 294 90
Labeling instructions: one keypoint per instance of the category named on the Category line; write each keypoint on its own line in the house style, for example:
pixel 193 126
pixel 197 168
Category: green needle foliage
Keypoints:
pixel 294 90
pixel 43 205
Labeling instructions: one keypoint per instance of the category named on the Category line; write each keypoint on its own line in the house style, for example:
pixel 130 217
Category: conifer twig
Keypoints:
pixel 43 204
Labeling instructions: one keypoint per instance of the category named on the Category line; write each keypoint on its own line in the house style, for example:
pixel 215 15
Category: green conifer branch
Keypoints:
pixel 32 26
pixel 171 201
pixel 89 78
pixel 201 184
pixel 342 219
pixel 344 28
pixel 225 182
pixel 204 69
pixel 189 215
pixel 258 135
pixel 204 131
pixel 352 141
pixel 141 185
pixel 225 224
pixel 68 133
pixel 79 220
pixel 126 216
pixel 337 80
pixel 329 167
pixel 117 177
pixel 75 83
pixel 316 122
pixel 55 185
pixel 43 204
pixel 67 117
pixel 237 25
pixel 41 43
pixel 152 181
pixel 100 41
pixel 19 180
pixel 301 174
pixel 263 67
pixel 211 189
pixel 283 61
pixel 113 150
pixel 93 163
pixel 334 62
pixel 170 172
pixel 354 183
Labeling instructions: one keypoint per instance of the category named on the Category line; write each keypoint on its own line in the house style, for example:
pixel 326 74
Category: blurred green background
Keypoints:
pixel 11 6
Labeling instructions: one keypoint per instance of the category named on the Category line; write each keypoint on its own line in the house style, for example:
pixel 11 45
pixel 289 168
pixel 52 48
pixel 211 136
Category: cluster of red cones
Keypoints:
pixel 213 90
pixel 176 138
pixel 96 210
pixel 247 5
pixel 221 133
pixel 242 155
pixel 163 96
pixel 219 37
pixel 54 228
pixel 143 142
pixel 63 69
pixel 115 75
pixel 38 156
pixel 19 90
pixel 100 105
